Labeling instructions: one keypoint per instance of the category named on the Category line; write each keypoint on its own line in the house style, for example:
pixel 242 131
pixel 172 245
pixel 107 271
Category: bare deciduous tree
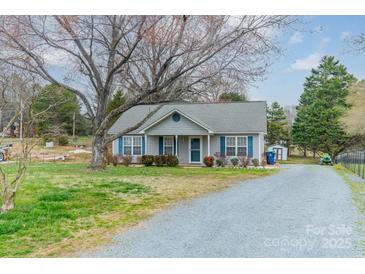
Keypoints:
pixel 155 58
pixel 9 183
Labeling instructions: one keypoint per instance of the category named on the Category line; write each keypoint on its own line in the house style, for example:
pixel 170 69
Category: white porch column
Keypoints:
pixel 176 145
pixel 115 146
pixel 145 144
pixel 260 148
pixel 208 144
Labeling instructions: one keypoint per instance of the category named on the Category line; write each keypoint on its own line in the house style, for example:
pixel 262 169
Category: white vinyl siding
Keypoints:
pixel 132 145
pixel 169 127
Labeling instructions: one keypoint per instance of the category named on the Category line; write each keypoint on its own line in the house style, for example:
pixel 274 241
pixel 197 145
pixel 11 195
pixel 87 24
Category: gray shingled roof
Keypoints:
pixel 220 117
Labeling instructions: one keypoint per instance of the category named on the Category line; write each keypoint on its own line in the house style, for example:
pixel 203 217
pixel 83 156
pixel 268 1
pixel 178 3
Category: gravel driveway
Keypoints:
pixel 303 211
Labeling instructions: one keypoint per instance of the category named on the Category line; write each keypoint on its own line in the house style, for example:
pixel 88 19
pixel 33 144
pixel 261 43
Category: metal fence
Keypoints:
pixel 354 161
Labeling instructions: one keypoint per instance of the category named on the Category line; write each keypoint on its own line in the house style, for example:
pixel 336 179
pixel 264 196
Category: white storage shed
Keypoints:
pixel 281 152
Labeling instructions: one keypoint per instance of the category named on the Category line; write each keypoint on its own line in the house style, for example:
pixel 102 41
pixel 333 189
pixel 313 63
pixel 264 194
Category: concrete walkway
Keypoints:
pixel 303 211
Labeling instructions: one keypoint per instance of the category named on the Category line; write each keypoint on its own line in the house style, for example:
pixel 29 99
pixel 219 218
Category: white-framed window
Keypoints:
pixel 132 145
pixel 231 146
pixel 168 145
pixel 236 145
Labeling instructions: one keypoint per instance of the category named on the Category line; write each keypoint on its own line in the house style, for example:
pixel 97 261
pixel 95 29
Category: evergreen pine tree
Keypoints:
pixel 277 127
pixel 321 106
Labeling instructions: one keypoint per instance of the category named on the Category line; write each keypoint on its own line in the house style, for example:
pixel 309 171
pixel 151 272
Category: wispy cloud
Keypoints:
pixel 318 29
pixel 296 38
pixel 312 60
pixel 345 35
pixel 307 63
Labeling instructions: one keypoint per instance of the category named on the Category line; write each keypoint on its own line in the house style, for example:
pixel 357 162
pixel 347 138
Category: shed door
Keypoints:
pixel 278 153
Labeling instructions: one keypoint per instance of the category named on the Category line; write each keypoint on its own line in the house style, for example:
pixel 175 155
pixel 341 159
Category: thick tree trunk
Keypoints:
pixel 305 152
pixel 8 202
pixel 98 145
pixel 98 151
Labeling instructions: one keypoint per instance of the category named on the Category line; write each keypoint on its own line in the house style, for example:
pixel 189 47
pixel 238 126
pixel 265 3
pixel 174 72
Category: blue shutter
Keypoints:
pixel 143 146
pixel 160 145
pixel 174 145
pixel 223 145
pixel 120 147
pixel 250 146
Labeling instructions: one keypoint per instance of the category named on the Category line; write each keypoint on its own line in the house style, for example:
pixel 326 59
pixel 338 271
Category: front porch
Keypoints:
pixel 190 150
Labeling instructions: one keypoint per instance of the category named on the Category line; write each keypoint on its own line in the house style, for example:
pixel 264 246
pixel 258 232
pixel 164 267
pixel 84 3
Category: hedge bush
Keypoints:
pixel 235 161
pixel 63 140
pixel 148 160
pixel 219 162
pixel 208 161
pixel 171 160
pixel 115 160
pixel 160 160
pixel 244 161
pixel 126 160
pixel 255 162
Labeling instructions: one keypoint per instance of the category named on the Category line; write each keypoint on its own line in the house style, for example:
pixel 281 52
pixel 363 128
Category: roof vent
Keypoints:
pixel 176 117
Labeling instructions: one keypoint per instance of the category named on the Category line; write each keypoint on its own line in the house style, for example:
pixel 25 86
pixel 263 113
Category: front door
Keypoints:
pixel 195 150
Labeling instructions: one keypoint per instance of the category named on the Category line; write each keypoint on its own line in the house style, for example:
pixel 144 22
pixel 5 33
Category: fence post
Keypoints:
pixel 363 164
pixel 354 161
pixel 359 163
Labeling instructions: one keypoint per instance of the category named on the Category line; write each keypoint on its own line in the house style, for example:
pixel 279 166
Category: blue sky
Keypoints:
pixel 303 47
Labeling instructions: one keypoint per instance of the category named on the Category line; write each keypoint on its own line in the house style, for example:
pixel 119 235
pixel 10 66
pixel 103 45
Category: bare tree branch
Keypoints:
pixel 152 58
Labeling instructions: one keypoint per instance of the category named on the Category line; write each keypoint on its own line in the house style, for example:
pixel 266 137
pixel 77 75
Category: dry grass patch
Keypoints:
pixel 301 160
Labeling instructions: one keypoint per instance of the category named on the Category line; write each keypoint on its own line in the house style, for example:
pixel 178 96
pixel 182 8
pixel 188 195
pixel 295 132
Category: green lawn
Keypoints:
pixel 357 187
pixel 358 169
pixel 64 208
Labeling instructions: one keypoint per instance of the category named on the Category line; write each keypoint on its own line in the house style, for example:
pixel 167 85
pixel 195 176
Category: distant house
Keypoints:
pixel 281 152
pixel 193 130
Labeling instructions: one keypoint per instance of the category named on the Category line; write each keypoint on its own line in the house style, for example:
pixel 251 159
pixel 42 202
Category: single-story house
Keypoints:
pixel 193 130
pixel 281 152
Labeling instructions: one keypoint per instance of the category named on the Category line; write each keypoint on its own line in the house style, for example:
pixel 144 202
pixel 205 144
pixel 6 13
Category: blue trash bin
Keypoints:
pixel 270 157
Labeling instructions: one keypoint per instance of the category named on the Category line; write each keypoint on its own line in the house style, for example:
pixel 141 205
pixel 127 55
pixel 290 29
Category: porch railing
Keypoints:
pixel 354 161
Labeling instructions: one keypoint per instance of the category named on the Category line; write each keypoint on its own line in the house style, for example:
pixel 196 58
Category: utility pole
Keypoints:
pixel 74 126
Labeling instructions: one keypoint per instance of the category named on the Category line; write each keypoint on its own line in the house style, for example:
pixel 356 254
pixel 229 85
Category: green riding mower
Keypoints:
pixel 326 159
